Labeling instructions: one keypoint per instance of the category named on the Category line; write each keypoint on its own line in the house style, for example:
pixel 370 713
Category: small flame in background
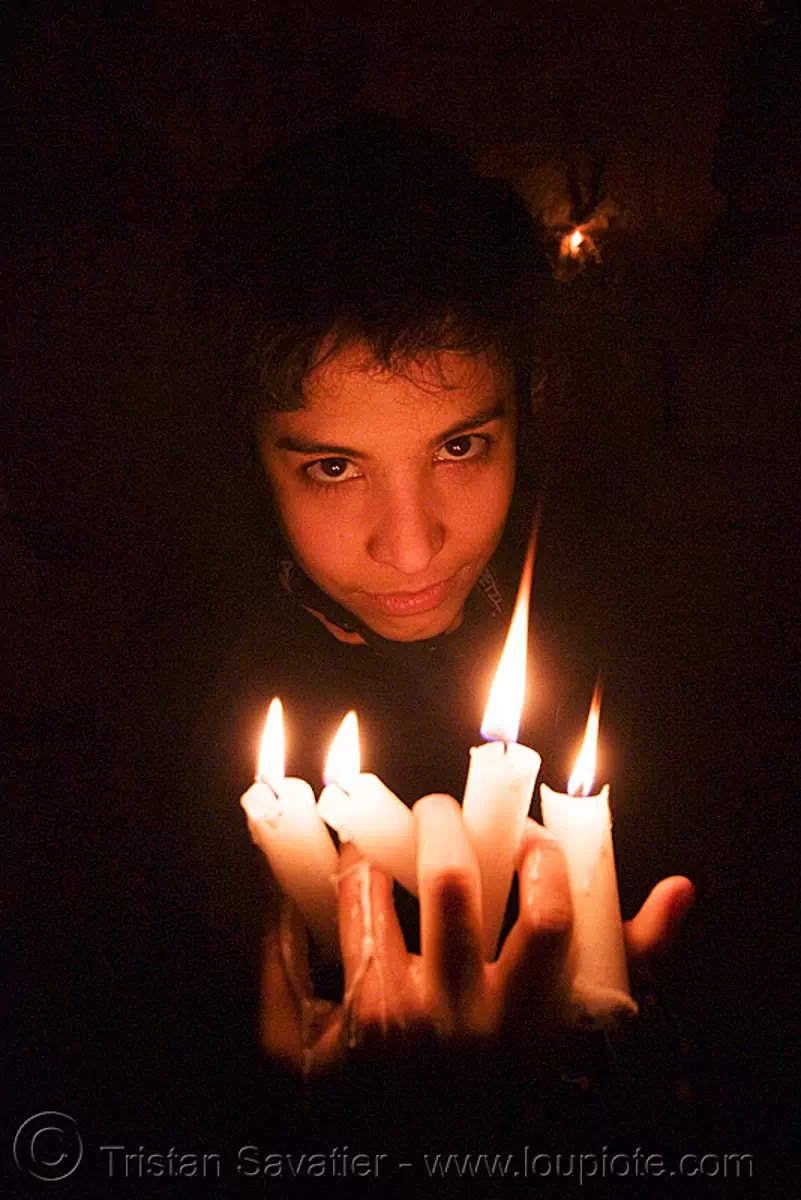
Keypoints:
pixel 581 781
pixel 502 715
pixel 578 245
pixel 343 764
pixel 271 755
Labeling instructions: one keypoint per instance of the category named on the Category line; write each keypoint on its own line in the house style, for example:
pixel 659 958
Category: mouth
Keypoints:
pixel 408 604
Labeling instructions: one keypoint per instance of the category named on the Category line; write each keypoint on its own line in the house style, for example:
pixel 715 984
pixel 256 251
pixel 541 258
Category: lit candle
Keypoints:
pixel 583 825
pixel 502 774
pixel 578 245
pixel 284 823
pixel 364 811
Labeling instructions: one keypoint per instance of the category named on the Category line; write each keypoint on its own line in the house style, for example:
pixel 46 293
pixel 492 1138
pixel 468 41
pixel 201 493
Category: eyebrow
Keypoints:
pixel 302 445
pixel 480 418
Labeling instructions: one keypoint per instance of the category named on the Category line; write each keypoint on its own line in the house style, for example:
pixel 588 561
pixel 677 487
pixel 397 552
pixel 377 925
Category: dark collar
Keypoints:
pixel 487 606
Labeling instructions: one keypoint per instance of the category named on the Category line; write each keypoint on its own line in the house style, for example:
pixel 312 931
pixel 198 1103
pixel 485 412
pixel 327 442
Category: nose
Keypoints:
pixel 408 533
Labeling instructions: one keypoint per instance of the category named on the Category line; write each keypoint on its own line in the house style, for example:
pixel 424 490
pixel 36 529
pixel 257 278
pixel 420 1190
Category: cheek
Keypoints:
pixel 320 535
pixel 479 509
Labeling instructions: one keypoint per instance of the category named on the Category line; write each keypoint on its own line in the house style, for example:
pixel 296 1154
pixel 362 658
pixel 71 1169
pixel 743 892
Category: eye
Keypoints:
pixel 467 446
pixel 330 470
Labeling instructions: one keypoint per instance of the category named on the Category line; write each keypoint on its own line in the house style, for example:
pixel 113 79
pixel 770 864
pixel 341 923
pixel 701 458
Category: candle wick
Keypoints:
pixel 267 784
pixel 335 783
pixel 505 747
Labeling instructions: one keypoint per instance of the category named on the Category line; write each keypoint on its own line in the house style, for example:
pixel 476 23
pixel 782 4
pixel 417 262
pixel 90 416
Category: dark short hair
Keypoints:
pixel 375 231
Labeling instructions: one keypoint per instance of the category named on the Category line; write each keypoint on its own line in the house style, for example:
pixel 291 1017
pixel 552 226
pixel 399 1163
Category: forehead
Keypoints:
pixel 352 396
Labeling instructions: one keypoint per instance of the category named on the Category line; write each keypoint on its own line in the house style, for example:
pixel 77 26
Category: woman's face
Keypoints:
pixel 393 489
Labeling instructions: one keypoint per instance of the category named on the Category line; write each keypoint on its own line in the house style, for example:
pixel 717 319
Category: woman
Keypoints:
pixel 381 304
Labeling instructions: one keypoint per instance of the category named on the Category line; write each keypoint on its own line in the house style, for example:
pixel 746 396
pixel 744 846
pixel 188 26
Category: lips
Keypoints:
pixel 407 604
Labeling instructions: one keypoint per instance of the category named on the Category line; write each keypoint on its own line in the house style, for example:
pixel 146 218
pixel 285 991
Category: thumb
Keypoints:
pixel 284 986
pixel 657 923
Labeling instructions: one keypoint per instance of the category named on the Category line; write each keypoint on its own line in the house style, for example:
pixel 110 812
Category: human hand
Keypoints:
pixel 394 1001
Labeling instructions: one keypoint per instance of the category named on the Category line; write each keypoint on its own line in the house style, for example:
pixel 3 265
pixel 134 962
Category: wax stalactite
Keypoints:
pixel 596 963
pixel 284 823
pixel 363 810
pixel 502 773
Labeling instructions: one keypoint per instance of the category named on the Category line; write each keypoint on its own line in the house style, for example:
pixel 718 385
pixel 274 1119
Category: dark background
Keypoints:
pixel 130 526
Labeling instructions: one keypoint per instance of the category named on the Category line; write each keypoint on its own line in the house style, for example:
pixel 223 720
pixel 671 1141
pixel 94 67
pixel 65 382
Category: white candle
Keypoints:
pixel 284 823
pixel 502 774
pixel 597 955
pixel 496 803
pixel 364 811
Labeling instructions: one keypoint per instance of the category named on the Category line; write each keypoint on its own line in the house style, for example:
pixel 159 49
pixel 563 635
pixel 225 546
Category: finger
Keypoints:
pixel 373 950
pixel 656 924
pixel 530 967
pixel 284 984
pixel 449 888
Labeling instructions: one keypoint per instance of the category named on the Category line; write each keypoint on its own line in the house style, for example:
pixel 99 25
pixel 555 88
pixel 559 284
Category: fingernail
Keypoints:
pixel 683 903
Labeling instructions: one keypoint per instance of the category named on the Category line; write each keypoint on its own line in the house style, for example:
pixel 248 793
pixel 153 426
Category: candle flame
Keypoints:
pixel 576 238
pixel 502 715
pixel 271 755
pixel 343 764
pixel 578 247
pixel 580 782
